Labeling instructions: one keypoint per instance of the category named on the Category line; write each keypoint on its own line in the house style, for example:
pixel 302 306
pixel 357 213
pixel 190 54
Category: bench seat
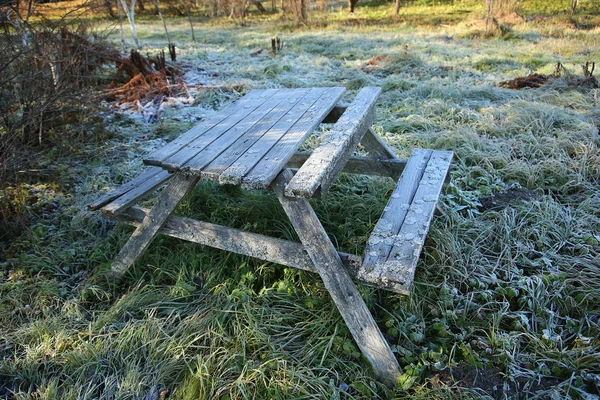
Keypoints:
pixel 395 244
pixel 126 195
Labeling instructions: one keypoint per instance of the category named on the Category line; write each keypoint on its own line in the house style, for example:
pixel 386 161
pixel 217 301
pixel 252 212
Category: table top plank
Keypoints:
pixel 327 161
pixel 265 171
pixel 226 152
pixel 202 148
pixel 229 115
pixel 234 173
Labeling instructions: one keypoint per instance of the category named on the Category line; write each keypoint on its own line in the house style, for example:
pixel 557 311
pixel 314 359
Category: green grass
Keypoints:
pixel 509 298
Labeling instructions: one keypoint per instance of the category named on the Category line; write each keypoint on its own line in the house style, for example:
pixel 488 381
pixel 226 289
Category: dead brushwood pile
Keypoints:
pixel 536 80
pixel 148 84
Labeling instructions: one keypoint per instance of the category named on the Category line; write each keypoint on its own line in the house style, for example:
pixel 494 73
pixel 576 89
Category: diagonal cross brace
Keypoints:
pixel 338 283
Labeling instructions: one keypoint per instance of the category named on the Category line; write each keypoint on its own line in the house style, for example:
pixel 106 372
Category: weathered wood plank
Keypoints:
pixel 225 117
pixel 327 160
pixel 338 283
pixel 376 147
pixel 335 113
pixel 131 197
pixel 179 186
pixel 408 244
pixel 236 171
pixel 360 165
pixel 258 117
pixel 380 242
pixel 292 107
pixel 263 173
pixel 124 188
pixel 265 248
pixel 202 149
pixel 395 271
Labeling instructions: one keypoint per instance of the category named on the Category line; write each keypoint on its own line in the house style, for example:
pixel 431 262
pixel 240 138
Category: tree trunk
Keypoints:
pixel 130 12
pixel 160 14
pixel 351 5
pixel 397 7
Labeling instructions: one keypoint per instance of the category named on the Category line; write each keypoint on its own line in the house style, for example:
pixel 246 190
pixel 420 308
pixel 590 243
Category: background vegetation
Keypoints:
pixel 506 301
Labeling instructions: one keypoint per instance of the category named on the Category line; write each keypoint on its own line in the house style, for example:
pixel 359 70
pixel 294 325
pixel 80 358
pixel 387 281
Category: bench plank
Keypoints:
pixel 291 108
pixel 124 188
pixel 236 171
pixel 327 161
pixel 121 203
pixel 225 117
pixel 394 247
pixel 263 173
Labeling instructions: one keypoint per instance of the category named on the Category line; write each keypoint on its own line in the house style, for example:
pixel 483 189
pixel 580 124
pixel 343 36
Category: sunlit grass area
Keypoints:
pixel 506 299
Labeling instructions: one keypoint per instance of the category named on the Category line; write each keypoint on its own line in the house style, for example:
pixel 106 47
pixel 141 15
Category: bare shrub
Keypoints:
pixel 46 75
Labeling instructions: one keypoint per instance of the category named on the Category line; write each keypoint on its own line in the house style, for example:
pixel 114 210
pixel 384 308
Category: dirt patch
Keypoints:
pixel 502 200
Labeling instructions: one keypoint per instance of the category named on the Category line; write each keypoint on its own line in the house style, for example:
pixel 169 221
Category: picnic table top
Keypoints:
pixel 250 141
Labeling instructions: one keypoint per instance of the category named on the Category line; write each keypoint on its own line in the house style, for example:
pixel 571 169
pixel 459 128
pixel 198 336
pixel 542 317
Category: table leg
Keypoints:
pixel 376 147
pixel 338 282
pixel 168 200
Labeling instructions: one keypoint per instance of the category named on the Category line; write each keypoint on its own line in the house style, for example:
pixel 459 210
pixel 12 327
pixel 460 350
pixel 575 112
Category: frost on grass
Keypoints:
pixel 511 293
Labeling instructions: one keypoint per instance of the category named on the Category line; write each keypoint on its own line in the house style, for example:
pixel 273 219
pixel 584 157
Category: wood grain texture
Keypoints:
pixel 263 173
pixel 338 283
pixel 327 160
pixel 238 169
pixel 394 246
pixel 131 197
pixel 206 147
pixel 225 117
pixel 252 144
pixel 359 165
pixel 265 248
pixel 179 186
pixel 124 188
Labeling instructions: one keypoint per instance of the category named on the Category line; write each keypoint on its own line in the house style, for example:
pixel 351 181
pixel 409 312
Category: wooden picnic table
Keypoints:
pixel 254 143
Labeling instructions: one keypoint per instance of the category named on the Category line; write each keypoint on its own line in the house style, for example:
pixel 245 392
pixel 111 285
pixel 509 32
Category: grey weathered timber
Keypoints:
pixel 179 186
pixel 124 188
pixel 376 147
pixel 327 160
pixel 394 247
pixel 245 162
pixel 338 283
pixel 392 167
pixel 131 197
pixel 209 145
pixel 335 113
pixel 263 173
pixel 265 248
pixel 227 116
pixel 291 108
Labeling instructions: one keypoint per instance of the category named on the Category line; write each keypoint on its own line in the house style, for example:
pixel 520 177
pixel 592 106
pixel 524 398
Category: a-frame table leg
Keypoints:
pixel 168 200
pixel 376 147
pixel 337 281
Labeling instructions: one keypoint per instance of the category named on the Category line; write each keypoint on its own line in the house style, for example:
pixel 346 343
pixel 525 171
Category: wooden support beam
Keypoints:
pixel 376 147
pixel 359 165
pixel 278 251
pixel 177 189
pixel 338 283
